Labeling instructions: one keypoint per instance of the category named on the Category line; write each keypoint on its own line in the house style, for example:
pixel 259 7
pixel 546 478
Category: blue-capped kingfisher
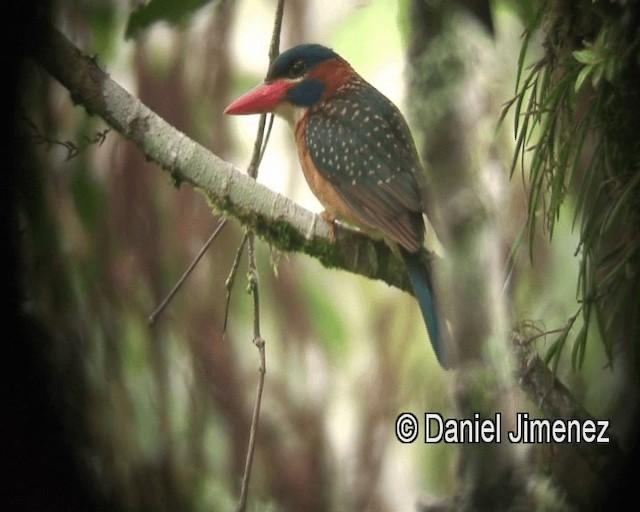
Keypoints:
pixel 356 152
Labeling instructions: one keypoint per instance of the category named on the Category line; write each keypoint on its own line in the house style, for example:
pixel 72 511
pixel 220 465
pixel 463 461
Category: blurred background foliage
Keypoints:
pixel 157 417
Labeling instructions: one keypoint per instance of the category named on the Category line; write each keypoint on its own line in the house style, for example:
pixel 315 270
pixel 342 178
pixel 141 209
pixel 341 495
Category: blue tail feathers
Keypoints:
pixel 421 282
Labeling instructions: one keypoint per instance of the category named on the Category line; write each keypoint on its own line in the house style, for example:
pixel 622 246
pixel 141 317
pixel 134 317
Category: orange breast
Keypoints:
pixel 320 186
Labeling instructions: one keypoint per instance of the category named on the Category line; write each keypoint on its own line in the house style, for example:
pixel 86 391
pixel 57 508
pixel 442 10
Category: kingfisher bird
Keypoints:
pixel 357 155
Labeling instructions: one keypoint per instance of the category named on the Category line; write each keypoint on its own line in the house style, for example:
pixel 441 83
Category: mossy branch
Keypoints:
pixel 276 219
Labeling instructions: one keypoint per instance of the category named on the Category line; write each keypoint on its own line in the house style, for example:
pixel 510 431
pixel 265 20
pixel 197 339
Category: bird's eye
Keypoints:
pixel 298 68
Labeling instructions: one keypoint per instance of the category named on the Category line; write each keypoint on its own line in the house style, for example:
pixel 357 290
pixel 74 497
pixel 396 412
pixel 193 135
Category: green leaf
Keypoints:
pixel 597 74
pixel 611 68
pixel 585 56
pixel 579 347
pixel 169 11
pixel 582 76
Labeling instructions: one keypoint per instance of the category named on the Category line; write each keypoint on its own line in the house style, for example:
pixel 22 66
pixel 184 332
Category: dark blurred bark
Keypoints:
pixel 145 234
pixel 607 171
pixel 45 435
pixel 448 54
pixel 586 476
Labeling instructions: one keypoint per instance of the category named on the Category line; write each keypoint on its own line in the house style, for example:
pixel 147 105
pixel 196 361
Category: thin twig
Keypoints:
pixel 154 316
pixel 257 338
pixel 232 279
pixel 73 148
pixel 254 289
pixel 568 325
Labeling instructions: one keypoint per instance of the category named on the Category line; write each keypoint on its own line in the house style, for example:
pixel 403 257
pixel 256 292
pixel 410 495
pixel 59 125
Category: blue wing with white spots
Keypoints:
pixel 360 143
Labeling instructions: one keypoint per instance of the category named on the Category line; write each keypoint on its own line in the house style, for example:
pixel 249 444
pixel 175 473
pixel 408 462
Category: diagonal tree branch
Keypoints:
pixel 275 218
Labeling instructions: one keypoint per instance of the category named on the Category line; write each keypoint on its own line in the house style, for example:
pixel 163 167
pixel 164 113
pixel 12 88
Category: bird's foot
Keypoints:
pixel 331 220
